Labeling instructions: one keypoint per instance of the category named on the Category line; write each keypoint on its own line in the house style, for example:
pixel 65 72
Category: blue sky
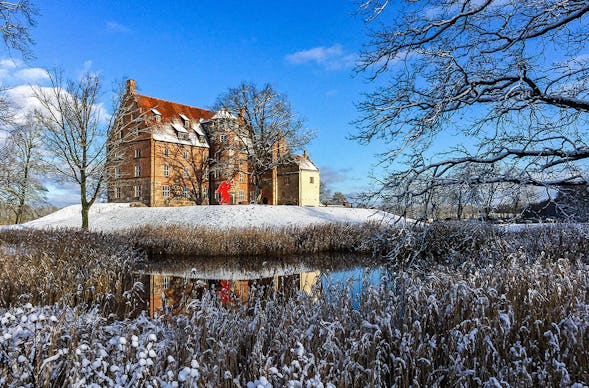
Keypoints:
pixel 190 52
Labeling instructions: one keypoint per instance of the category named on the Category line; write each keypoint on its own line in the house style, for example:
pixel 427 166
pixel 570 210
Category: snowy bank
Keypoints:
pixel 115 216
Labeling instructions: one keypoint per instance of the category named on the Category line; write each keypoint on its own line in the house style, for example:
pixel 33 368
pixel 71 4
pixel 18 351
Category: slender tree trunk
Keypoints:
pixel 23 190
pixel 85 205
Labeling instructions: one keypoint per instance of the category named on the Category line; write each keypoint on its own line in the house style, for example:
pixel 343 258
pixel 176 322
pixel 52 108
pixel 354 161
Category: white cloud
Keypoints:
pixel 10 63
pixel 331 58
pixel 113 26
pixel 33 74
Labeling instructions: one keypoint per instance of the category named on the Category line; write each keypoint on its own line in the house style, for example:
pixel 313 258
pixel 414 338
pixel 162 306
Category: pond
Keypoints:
pixel 170 283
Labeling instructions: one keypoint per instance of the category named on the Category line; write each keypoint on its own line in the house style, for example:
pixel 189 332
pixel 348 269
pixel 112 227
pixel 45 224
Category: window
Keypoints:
pixel 241 177
pixel 311 179
pixel 185 154
pixel 117 172
pixel 186 192
pixel 166 170
pixel 241 196
pixel 118 192
pixel 223 138
pixel 137 153
pixel 157 116
pixel 166 151
pixel 137 171
pixel 166 282
pixel 186 173
pixel 137 191
pixel 286 180
pixel 186 120
pixel 165 191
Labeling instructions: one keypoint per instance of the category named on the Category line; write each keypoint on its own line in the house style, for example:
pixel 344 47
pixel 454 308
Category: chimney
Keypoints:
pixel 131 86
pixel 305 154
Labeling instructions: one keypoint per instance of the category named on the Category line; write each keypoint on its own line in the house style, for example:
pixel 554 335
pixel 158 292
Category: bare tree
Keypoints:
pixel 22 167
pixel 76 130
pixel 189 170
pixel 324 193
pixel 506 77
pixel 267 130
pixel 16 18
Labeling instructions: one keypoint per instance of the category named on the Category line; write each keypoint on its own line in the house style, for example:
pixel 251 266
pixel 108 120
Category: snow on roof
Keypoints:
pixel 198 129
pixel 116 216
pixel 305 163
pixel 184 117
pixel 179 128
pixel 223 114
pixel 167 134
pixel 157 112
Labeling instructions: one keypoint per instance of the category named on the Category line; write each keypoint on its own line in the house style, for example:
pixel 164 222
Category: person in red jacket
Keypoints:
pixel 223 190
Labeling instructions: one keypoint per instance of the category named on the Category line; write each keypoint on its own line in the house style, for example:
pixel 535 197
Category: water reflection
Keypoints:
pixel 171 283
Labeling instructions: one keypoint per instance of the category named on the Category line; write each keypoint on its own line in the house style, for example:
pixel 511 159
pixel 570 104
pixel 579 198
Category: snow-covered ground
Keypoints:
pixel 116 216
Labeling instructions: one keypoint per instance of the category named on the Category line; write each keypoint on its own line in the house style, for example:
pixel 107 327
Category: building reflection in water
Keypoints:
pixel 169 286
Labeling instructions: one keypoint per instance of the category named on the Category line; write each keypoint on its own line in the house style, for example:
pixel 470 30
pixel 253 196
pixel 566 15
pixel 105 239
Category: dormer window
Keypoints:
pixel 157 116
pixel 185 120
pixel 181 132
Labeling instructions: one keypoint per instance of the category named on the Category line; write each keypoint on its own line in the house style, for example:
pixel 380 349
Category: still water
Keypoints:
pixel 171 283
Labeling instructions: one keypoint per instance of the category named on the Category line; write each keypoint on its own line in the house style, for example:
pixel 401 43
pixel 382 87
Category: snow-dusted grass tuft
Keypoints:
pixel 69 267
pixel 509 323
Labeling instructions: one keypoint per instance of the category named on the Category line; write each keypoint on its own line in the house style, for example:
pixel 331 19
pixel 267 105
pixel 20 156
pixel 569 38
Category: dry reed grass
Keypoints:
pixel 463 305
pixel 184 241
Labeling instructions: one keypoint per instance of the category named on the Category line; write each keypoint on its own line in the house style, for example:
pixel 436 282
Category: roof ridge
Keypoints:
pixel 172 102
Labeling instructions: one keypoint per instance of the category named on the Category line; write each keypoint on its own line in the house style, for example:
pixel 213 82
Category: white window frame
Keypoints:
pixel 117 172
pixel 166 170
pixel 241 196
pixel 186 192
pixel 185 154
pixel 223 138
pixel 137 171
pixel 165 191
pixel 166 151
pixel 186 172
pixel 137 153
pixel 137 191
pixel 117 192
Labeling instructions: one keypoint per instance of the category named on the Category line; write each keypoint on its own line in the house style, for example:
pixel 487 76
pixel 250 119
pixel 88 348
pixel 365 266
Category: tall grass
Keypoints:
pixel 463 305
pixel 511 323
pixel 69 267
pixel 248 242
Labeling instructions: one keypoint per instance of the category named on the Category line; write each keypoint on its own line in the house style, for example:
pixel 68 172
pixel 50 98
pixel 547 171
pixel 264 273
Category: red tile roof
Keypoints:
pixel 171 110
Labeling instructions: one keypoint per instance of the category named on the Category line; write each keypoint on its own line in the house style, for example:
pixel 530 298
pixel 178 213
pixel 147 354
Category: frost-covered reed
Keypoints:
pixel 508 323
pixel 68 267
pixel 464 307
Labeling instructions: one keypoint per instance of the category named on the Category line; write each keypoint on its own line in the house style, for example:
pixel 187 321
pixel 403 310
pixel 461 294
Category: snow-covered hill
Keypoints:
pixel 111 216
